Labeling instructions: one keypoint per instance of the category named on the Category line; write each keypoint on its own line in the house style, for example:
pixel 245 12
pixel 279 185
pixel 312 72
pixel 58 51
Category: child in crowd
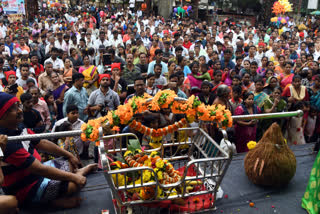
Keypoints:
pixel 67 143
pixel 247 83
pixel 204 75
pixel 151 88
pixel 236 100
pixel 238 66
pixel 246 68
pixel 52 107
pixel 310 127
pixel 205 96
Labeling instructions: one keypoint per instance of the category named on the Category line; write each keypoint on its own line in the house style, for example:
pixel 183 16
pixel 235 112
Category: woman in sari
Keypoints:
pixel 263 68
pixel 271 83
pixel 192 84
pixel 75 59
pixel 245 131
pixel 272 105
pixel 91 75
pixel 286 79
pixel 259 95
pixel 280 68
pixel 68 69
pixel 59 89
pixel 296 91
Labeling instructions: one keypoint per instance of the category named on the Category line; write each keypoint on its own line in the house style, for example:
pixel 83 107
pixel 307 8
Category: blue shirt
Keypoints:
pixel 181 94
pixel 230 65
pixel 186 70
pixel 151 67
pixel 76 97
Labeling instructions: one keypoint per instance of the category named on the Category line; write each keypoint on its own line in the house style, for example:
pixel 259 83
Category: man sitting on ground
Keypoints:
pixel 25 176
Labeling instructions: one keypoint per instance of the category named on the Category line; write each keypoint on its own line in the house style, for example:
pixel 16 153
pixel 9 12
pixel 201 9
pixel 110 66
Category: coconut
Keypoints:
pixel 271 162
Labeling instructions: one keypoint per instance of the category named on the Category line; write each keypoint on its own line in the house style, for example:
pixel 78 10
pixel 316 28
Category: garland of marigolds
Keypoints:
pixel 123 115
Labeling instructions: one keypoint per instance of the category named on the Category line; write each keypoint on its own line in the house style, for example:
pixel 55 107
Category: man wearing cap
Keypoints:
pixel 118 84
pixel 25 176
pixel 103 99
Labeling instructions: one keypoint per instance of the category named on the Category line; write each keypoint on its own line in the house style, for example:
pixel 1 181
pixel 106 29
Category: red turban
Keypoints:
pixel 115 65
pixel 301 34
pixel 261 44
pixel 165 32
pixel 101 76
pixel 8 73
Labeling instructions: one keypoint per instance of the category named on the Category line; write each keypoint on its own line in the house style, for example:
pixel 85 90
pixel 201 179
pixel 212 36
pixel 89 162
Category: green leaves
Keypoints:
pixel 134 145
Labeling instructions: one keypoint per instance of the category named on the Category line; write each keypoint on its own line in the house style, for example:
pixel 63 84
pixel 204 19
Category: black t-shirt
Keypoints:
pixel 143 68
pixel 122 87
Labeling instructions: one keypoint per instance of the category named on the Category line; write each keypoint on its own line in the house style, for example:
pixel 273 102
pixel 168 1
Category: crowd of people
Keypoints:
pixel 69 66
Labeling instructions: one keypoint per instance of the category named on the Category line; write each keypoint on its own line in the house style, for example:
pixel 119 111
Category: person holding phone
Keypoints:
pixel 12 87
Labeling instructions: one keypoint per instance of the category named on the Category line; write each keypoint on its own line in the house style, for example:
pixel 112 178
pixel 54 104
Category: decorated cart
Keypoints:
pixel 182 174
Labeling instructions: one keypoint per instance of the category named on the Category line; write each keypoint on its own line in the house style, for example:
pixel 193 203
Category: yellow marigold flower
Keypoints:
pixel 160 175
pixel 146 176
pixel 120 179
pixel 159 164
pixel 251 144
pixel 159 193
pixel 154 153
pixel 147 162
pixel 127 153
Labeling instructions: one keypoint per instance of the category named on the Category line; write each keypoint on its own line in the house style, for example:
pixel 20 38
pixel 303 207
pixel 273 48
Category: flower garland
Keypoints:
pixel 164 170
pixel 157 132
pixel 123 115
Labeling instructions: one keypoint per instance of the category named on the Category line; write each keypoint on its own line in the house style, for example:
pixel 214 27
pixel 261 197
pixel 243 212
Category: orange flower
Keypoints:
pixel 83 137
pixel 116 128
pixel 109 117
pixel 91 123
pixel 83 127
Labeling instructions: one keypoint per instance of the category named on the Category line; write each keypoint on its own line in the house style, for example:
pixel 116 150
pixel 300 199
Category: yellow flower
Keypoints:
pixel 155 145
pixel 159 193
pixel 146 176
pixel 147 162
pixel 120 179
pixel 154 153
pixel 159 164
pixel 160 175
pixel 251 144
pixel 127 153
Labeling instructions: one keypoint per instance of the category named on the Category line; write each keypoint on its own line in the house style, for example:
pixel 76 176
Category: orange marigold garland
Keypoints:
pixel 157 132
pixel 163 99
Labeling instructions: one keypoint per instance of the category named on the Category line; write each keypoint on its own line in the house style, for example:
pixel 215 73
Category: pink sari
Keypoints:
pixel 286 80
pixel 194 83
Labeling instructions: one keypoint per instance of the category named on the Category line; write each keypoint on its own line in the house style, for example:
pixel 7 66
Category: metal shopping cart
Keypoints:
pixel 198 153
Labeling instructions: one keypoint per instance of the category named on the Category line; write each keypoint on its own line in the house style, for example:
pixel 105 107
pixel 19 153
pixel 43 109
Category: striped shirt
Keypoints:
pixel 18 156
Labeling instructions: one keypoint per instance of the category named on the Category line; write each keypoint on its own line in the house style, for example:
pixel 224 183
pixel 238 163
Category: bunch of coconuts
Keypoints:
pixel 271 162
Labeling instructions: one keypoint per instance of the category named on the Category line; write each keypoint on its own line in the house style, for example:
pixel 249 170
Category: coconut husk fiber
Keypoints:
pixel 271 162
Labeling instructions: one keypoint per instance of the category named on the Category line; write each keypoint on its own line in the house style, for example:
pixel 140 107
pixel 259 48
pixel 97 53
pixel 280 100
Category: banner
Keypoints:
pixel 13 6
